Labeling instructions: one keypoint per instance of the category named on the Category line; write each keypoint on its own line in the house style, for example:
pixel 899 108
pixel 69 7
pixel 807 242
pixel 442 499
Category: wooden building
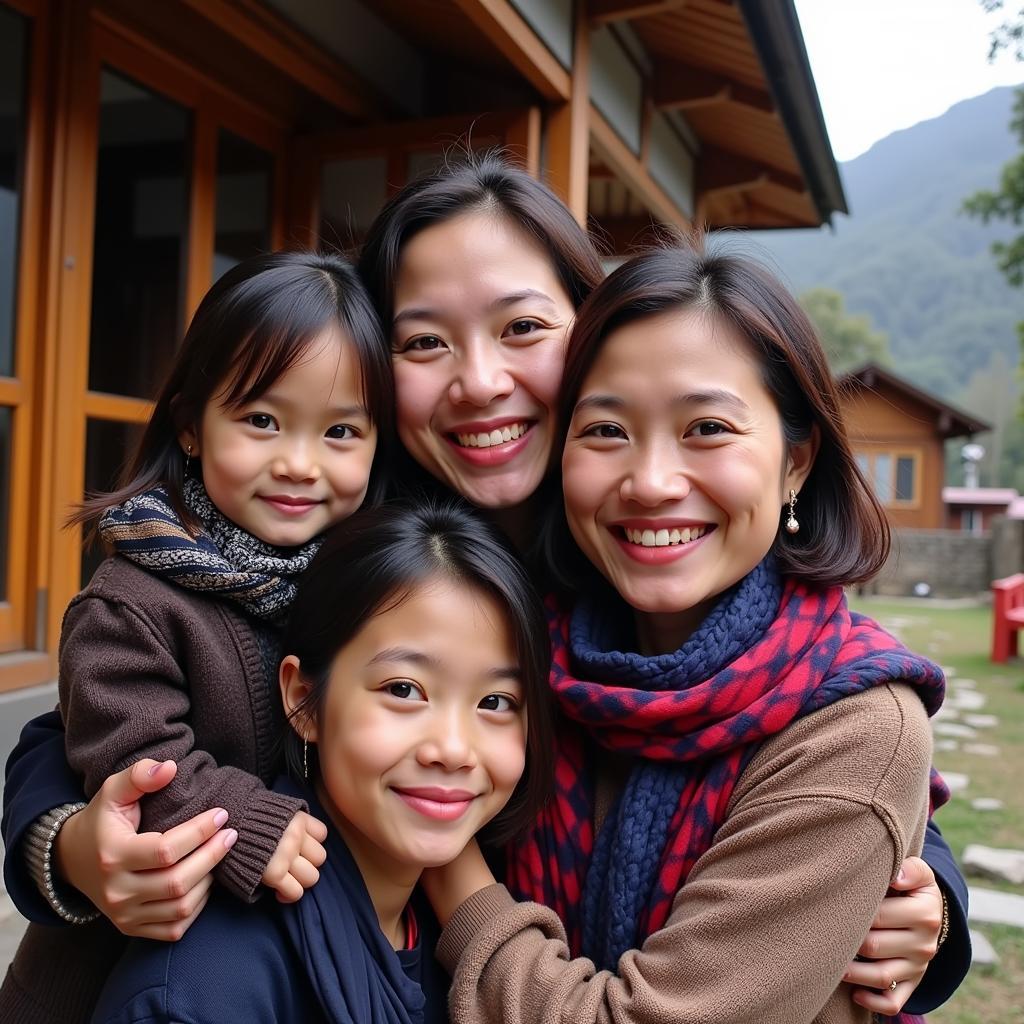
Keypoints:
pixel 147 146
pixel 898 433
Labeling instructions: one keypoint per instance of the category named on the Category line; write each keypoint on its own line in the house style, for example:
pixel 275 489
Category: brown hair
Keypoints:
pixel 844 535
pixel 252 326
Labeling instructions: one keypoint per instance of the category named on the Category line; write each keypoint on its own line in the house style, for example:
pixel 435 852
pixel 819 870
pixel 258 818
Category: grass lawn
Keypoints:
pixel 959 639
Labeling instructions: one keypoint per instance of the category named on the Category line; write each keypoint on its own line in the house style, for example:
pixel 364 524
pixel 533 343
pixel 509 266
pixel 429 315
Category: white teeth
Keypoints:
pixel 493 437
pixel 664 538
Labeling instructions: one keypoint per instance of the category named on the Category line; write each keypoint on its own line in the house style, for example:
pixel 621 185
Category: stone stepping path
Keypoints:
pixel 987 803
pixel 981 950
pixel 989 862
pixel 956 781
pixel 947 745
pixel 966 700
pixel 987 906
pixel 981 721
pixel 958 729
pixel 980 749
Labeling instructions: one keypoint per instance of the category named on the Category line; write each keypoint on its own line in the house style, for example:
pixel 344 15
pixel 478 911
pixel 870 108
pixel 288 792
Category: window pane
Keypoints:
pixel 351 195
pixel 905 478
pixel 108 446
pixel 244 175
pixel 13 63
pixel 882 477
pixel 5 494
pixel 863 464
pixel 141 212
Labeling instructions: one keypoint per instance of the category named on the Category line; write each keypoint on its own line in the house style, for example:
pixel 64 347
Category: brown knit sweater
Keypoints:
pixel 148 669
pixel 761 932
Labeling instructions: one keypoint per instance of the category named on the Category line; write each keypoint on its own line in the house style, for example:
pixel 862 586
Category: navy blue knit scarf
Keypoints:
pixel 629 848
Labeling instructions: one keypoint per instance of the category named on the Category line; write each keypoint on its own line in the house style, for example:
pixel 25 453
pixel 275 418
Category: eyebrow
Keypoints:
pixel 712 396
pixel 343 411
pixel 503 302
pixel 412 656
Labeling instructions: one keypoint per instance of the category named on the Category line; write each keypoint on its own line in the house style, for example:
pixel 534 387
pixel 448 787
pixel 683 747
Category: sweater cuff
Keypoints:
pixel 470 916
pixel 259 833
pixel 38 845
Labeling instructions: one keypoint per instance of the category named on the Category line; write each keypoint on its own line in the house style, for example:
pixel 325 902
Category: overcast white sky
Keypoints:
pixel 882 65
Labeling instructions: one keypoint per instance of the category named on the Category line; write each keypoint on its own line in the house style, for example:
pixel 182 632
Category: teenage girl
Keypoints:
pixel 262 437
pixel 416 670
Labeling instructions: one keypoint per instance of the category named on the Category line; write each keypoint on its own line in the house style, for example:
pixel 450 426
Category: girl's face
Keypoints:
pixel 479 347
pixel 296 460
pixel 422 734
pixel 675 468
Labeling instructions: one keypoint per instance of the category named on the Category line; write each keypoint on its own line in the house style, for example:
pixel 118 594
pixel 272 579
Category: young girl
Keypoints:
pixel 416 669
pixel 262 438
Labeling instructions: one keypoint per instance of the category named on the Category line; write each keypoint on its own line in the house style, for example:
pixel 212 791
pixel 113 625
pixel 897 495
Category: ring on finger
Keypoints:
pixel 892 985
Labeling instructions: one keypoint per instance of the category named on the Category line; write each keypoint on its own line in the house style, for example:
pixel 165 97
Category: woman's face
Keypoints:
pixel 479 347
pixel 675 468
pixel 422 734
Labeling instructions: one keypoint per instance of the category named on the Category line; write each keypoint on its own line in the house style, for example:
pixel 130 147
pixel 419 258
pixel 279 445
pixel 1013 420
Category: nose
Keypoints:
pixel 448 742
pixel 655 476
pixel 295 460
pixel 482 375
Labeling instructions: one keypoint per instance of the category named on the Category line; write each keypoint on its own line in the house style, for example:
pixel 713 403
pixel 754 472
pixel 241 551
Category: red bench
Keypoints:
pixel 1007 616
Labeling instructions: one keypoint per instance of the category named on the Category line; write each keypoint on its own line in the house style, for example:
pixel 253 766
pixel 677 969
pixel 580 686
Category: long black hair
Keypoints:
pixel 252 326
pixel 374 561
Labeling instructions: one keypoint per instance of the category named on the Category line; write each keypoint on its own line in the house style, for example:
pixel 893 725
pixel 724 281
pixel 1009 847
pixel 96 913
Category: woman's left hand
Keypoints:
pixel 450 885
pixel 902 942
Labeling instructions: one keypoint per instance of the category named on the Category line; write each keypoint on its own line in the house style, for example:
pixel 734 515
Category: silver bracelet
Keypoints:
pixel 70 905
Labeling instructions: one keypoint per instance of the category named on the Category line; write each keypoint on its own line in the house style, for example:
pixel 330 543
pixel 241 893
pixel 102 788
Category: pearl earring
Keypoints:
pixel 792 526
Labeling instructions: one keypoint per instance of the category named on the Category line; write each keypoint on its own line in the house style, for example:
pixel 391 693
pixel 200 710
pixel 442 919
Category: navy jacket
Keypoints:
pixel 38 779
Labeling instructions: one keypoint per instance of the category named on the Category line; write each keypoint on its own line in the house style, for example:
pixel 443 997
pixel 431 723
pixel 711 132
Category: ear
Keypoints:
pixel 799 462
pixel 294 690
pixel 189 438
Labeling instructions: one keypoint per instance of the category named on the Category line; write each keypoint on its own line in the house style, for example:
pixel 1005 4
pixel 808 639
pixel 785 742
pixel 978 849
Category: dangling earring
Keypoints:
pixel 188 458
pixel 792 526
pixel 305 759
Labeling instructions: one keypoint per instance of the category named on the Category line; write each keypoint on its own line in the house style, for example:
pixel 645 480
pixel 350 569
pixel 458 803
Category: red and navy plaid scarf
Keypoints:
pixel 767 655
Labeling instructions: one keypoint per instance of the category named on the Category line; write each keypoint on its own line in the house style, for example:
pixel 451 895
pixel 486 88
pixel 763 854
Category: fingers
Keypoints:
pixel 887 1002
pixel 899 944
pixel 289 889
pixel 131 784
pixel 305 873
pixel 151 850
pixel 170 931
pixel 880 974
pixel 316 828
pixel 920 910
pixel 173 911
pixel 913 874
pixel 312 850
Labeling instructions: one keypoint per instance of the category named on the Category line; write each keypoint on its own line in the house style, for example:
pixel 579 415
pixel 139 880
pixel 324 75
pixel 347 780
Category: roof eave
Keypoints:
pixel 775 31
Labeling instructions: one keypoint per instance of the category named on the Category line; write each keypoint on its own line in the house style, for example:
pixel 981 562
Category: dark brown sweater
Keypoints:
pixel 148 669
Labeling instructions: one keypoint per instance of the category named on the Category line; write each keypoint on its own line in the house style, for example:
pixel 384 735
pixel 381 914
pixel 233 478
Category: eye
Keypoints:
pixel 422 343
pixel 261 421
pixel 404 689
pixel 605 431
pixel 341 432
pixel 709 428
pixel 498 702
pixel 522 328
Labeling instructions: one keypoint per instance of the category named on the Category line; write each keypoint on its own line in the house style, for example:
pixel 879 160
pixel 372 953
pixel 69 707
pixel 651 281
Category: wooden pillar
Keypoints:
pixel 568 128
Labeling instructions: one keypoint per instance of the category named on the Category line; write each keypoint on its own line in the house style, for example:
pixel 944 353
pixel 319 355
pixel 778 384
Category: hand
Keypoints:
pixel 450 885
pixel 902 941
pixel 153 885
pixel 293 867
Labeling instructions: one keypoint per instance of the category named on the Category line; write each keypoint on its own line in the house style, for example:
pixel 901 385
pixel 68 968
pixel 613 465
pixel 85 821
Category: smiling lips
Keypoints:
pixel 436 803
pixel 493 443
pixel 656 543
pixel 289 505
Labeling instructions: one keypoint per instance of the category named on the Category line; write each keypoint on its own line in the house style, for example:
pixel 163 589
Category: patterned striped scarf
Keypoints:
pixel 223 560
pixel 768 654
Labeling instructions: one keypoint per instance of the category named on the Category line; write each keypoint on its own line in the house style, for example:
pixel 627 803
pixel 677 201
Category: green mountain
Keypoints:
pixel 908 258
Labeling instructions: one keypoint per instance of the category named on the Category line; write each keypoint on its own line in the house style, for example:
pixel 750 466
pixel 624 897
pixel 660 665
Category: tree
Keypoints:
pixel 1007 202
pixel 848 339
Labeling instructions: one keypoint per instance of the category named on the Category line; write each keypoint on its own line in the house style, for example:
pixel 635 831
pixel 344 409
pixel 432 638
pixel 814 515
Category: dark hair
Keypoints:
pixel 374 562
pixel 844 535
pixel 252 326
pixel 485 183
